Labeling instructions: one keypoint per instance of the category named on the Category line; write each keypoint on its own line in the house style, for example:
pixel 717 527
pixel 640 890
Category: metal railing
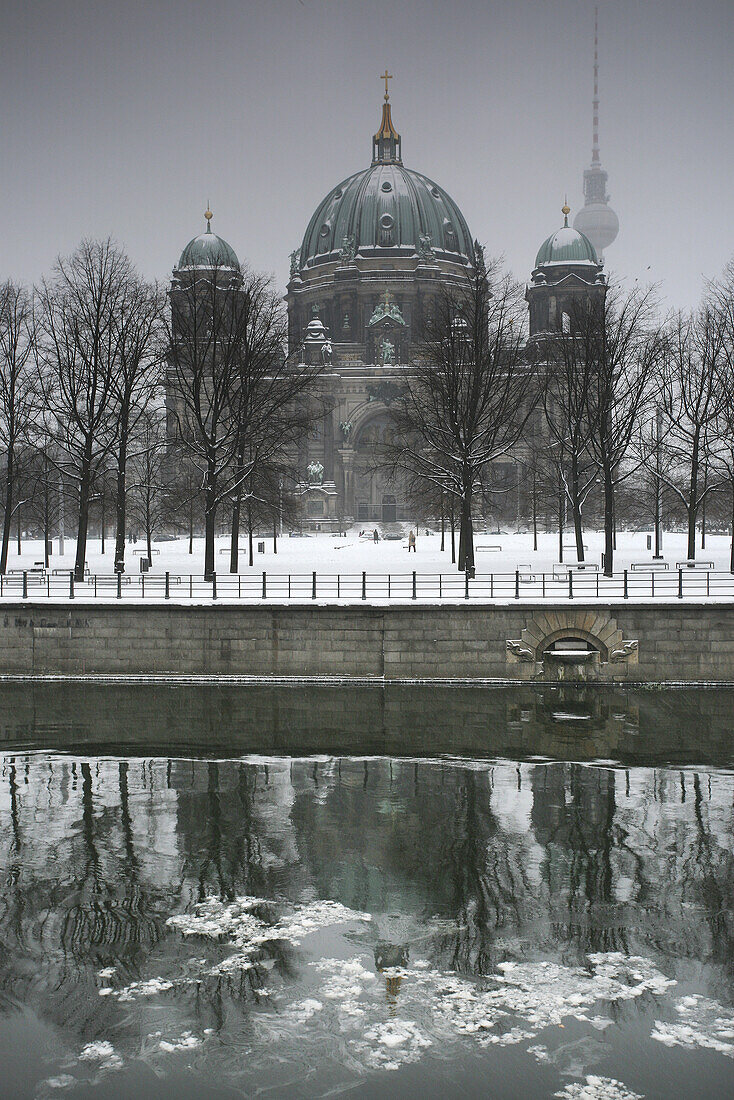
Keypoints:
pixel 522 584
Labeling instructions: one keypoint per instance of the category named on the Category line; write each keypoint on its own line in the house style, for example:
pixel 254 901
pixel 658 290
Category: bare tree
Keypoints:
pixel 78 338
pixel 150 480
pixel 134 384
pixel 274 403
pixel 469 394
pixel 692 395
pixel 16 390
pixel 624 345
pixel 570 365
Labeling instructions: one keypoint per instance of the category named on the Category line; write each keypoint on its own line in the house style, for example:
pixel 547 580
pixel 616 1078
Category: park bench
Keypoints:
pixel 492 547
pixel 694 565
pixel 571 547
pixel 32 571
pixel 562 569
pixel 142 550
pixel 649 566
pixel 526 574
pixel 64 571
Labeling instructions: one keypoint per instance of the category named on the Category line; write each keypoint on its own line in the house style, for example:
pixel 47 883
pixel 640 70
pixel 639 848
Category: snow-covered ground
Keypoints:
pixel 326 553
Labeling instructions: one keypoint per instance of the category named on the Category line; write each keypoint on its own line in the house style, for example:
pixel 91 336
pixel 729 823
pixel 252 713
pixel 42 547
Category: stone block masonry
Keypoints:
pixel 691 642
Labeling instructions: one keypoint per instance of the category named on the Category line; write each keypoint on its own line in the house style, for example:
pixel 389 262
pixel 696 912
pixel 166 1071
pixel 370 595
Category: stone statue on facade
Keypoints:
pixel 326 352
pixel 315 473
pixel 387 351
pixel 295 262
pixel 346 429
pixel 425 251
pixel 347 252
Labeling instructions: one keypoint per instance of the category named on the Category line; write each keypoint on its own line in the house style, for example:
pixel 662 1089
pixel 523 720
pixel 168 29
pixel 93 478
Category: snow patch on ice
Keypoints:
pixel 598 1088
pixel 703 1023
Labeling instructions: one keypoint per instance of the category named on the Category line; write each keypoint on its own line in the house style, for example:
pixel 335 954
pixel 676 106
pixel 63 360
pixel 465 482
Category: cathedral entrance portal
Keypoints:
pixel 374 493
pixel 389 509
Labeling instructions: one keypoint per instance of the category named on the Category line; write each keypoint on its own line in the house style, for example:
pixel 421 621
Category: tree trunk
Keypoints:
pixel 692 506
pixel 210 516
pixel 560 517
pixel 7 518
pixel 249 532
pixel 576 510
pixel 234 546
pixel 443 525
pixel 608 522
pixel 120 503
pixel 83 525
pixel 452 521
pixel 466 534
pixel 191 521
pixel 535 509
pixel 18 532
pixel 731 557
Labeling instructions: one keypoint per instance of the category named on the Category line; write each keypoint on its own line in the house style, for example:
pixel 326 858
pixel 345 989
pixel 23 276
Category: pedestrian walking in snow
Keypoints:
pixel 411 542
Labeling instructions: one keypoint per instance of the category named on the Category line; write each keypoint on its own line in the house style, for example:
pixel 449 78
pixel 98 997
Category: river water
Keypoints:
pixel 366 891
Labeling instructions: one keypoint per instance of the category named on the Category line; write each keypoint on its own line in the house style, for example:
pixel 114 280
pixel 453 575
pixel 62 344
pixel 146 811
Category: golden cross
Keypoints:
pixel 386 76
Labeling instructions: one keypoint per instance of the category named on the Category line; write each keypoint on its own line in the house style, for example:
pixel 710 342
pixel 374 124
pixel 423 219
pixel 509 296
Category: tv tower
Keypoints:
pixel 596 219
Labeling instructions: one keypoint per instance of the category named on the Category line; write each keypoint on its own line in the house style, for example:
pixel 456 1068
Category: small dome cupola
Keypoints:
pixel 386 144
pixel 208 250
pixel 567 247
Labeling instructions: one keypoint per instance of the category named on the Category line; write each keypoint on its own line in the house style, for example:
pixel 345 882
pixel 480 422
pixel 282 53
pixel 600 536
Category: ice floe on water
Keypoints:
pixel 702 1023
pixel 102 1053
pixel 597 1088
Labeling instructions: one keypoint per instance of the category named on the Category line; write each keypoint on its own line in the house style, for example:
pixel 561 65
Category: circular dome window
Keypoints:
pixel 436 193
pixel 387 186
pixel 324 231
pixel 338 194
pixel 386 221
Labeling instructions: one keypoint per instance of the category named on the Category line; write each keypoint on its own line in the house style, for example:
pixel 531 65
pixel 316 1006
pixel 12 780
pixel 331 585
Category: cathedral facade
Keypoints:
pixel 379 249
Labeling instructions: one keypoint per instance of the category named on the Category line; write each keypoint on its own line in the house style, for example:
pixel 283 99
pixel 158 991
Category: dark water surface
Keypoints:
pixel 318 891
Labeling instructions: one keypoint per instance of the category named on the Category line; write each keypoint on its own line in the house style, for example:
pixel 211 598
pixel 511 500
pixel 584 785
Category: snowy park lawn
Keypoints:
pixel 351 554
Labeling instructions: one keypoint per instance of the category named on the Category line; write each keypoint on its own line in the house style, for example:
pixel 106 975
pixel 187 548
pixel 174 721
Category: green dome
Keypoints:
pixel 208 250
pixel 385 211
pixel 567 246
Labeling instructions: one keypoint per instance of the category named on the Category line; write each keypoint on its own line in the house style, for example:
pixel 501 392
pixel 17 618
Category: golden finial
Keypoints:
pixel 386 76
pixel 208 215
pixel 565 210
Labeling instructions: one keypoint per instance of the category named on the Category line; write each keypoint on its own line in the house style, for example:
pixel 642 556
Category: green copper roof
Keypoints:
pixel 208 250
pixel 566 246
pixel 387 210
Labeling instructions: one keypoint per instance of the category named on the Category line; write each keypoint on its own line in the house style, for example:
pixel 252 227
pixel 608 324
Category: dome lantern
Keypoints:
pixel 386 144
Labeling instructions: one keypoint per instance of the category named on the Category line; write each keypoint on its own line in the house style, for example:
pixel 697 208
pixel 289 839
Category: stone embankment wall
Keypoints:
pixel 636 643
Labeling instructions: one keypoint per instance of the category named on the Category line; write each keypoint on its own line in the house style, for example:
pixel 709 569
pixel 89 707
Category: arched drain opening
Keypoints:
pixel 570 658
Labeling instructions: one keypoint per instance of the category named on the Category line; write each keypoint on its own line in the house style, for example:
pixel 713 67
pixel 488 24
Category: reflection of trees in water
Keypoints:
pixel 96 855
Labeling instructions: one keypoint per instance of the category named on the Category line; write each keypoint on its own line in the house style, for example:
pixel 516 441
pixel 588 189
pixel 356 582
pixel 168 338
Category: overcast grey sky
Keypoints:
pixel 122 118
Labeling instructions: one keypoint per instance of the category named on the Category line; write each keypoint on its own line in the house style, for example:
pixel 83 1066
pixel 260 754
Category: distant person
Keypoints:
pixel 375 536
pixel 411 542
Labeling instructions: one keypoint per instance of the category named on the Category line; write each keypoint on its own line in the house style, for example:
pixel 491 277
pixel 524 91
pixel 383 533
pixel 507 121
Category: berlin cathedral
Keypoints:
pixel 379 247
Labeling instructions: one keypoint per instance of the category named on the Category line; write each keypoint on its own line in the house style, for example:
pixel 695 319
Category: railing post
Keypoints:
pixel 191 586
pixel 239 585
pixel 119 586
pixel 313 585
pixel 414 585
pixel 570 585
pixel 95 586
pixel 289 586
pixel 680 584
pixel 708 590
pixel 517 584
pixel 389 586
pixel 364 586
pixel 466 583
pixel 597 585
pixel 168 584
pixel 491 586
pixel 440 585
pixel 25 585
pixel 214 586
pixel 626 589
pixel 338 586
pixel 652 583
pixel 71 584
pixel 142 585
pixel 265 584
pixel 544 585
